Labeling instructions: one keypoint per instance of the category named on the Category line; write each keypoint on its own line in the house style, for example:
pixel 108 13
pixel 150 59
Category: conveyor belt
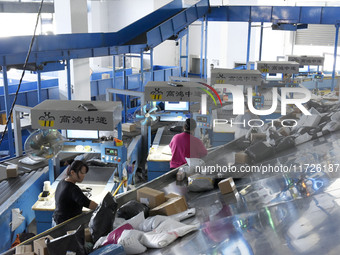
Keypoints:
pixel 283 213
pixel 10 186
pixel 272 214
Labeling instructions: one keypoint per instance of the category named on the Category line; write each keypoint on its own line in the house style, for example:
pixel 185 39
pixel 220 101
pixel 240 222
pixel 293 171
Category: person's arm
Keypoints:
pixel 93 205
pixel 82 200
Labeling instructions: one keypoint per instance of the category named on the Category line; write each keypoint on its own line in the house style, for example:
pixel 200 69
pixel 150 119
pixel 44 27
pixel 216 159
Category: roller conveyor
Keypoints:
pixel 281 213
pixel 9 186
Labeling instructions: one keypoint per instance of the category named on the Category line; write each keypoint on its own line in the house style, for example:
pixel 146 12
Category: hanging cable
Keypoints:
pixel 23 73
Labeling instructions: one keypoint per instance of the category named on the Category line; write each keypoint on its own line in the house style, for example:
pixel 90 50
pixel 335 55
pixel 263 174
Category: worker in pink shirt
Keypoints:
pixel 185 145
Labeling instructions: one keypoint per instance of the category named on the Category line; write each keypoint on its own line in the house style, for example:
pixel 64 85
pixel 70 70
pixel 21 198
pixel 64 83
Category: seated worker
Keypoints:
pixel 69 199
pixel 185 145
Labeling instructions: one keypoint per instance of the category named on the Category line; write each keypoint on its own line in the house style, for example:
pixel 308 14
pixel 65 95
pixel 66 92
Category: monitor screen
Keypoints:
pixel 274 76
pixel 176 106
pixel 82 134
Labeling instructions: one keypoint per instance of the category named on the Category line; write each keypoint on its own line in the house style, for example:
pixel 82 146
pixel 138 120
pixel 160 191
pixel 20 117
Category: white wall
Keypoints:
pixel 167 52
pixel 217 45
pixel 125 12
pixel 98 17
pixel 276 43
pixel 112 16
pixel 14 24
pixel 217 40
pixel 71 17
pixel 237 40
pixel 227 43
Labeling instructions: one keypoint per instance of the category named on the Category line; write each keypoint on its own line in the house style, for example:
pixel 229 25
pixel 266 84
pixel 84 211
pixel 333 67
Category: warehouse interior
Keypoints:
pixel 202 126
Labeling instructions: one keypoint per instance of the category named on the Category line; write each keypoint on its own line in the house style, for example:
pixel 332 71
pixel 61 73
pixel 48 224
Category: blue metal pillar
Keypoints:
pixel 69 86
pixel 141 72
pixel 119 129
pixel 180 57
pixel 114 77
pixel 151 65
pixel 248 44
pixel 261 38
pixel 125 87
pixel 124 71
pixel 51 175
pixel 187 55
pixel 206 50
pixel 8 111
pixel 39 86
pixel 202 45
pixel 335 53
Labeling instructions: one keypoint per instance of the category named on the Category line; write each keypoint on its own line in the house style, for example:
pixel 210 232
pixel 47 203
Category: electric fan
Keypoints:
pixel 43 144
pixel 147 115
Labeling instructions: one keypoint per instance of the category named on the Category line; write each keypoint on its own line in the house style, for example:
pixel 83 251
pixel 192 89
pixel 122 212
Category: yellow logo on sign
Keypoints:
pixel 157 94
pixel 46 120
pixel 46 123
pixel 156 97
pixel 220 82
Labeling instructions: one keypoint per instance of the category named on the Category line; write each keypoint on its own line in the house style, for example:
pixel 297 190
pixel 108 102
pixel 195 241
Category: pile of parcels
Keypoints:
pixel 262 143
pixel 151 221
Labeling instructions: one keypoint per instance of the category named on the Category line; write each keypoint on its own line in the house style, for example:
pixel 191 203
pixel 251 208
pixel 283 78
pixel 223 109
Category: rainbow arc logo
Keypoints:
pixel 209 93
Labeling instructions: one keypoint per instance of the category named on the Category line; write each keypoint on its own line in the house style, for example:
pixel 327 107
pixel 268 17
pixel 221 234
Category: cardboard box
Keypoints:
pixel 150 197
pixel 128 127
pixel 39 245
pixel 23 249
pixel 231 198
pixel 12 171
pixel 241 158
pixel 105 76
pixel 3 119
pixel 227 185
pixel 254 137
pixel 172 206
pixel 88 236
pixel 71 232
pixel 171 195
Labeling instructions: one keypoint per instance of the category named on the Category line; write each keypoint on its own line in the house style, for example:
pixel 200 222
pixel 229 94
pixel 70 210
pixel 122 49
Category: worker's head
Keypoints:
pixel 77 170
pixel 189 126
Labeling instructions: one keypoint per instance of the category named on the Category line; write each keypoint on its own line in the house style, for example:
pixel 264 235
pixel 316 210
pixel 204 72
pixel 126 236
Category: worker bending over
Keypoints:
pixel 69 199
pixel 185 145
